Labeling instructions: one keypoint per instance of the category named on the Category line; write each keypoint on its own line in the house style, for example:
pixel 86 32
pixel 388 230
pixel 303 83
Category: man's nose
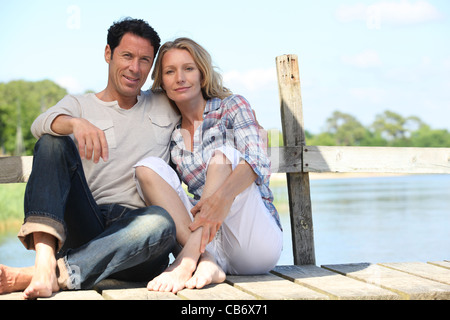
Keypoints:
pixel 134 65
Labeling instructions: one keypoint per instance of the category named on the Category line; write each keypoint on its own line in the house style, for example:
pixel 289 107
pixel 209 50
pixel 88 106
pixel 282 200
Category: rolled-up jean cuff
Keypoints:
pixel 48 225
pixel 67 277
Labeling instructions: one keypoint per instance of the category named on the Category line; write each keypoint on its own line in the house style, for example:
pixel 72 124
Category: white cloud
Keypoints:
pixel 71 84
pixel 366 59
pixel 252 80
pixel 390 12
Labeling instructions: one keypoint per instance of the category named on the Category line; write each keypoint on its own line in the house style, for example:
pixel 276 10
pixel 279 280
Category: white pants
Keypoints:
pixel 249 240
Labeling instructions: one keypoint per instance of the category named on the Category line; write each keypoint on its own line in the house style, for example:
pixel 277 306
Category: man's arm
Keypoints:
pixel 91 140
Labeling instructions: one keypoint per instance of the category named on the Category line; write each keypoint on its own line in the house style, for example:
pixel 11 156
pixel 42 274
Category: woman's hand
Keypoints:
pixel 210 213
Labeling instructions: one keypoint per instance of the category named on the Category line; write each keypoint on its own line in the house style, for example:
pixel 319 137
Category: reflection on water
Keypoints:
pixel 386 219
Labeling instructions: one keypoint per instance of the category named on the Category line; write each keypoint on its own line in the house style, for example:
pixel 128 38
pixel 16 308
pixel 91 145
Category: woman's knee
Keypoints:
pixel 219 163
pixel 146 175
pixel 151 170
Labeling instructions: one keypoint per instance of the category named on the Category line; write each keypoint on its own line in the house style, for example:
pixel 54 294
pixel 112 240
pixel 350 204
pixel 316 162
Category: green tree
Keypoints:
pixel 427 137
pixel 396 129
pixel 346 129
pixel 20 103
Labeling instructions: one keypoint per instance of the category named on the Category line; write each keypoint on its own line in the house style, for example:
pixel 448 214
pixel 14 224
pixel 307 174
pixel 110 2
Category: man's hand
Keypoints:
pixel 92 143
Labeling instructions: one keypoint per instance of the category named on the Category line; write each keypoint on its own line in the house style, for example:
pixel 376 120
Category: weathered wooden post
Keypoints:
pixel 298 182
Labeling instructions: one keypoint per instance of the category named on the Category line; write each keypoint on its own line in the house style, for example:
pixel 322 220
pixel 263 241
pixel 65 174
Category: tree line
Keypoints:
pixel 22 101
pixel 389 129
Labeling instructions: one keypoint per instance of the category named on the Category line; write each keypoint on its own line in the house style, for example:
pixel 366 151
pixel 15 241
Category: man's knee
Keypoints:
pixel 156 220
pixel 53 144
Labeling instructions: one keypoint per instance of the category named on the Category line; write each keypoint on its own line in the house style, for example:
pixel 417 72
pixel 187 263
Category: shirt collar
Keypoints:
pixel 212 105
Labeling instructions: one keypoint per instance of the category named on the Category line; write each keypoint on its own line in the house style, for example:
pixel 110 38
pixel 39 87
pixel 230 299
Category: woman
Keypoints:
pixel 233 228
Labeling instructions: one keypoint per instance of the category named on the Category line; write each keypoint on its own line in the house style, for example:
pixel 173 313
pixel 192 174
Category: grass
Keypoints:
pixel 11 205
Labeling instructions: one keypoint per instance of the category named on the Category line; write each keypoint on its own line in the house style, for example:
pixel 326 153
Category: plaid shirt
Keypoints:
pixel 228 122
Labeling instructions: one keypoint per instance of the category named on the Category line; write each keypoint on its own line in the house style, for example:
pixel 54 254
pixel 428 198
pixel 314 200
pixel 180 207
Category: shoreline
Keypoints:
pixel 338 175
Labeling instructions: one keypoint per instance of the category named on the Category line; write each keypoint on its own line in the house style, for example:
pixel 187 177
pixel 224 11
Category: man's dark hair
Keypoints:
pixel 137 27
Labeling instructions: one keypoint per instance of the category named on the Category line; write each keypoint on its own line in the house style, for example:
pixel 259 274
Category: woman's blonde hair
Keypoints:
pixel 211 82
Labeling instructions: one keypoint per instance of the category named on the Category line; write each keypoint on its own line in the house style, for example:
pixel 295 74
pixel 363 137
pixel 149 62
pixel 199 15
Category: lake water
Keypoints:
pixel 383 219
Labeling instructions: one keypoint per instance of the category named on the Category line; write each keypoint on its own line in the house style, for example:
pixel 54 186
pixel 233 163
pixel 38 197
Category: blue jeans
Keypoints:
pixel 94 242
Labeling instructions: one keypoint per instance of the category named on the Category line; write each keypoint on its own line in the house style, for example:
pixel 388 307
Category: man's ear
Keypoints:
pixel 108 54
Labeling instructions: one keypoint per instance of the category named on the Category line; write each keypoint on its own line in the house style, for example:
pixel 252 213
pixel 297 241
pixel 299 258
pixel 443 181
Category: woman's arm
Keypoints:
pixel 212 209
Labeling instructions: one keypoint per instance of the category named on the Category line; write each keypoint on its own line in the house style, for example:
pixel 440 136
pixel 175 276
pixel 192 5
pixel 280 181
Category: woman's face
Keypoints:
pixel 181 78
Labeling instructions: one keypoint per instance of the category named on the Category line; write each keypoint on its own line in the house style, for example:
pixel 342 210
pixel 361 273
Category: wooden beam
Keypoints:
pixel 15 169
pixel 298 182
pixel 286 159
pixel 315 159
pixel 376 159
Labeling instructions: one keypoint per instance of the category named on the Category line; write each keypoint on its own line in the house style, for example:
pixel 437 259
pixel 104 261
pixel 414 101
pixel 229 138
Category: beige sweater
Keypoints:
pixel 133 134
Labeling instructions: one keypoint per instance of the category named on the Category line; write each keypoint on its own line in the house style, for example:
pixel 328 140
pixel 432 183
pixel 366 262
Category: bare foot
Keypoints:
pixel 207 272
pixel 44 281
pixel 175 276
pixel 14 279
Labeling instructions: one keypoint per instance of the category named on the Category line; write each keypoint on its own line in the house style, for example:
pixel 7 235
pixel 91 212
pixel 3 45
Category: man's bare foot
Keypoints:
pixel 207 272
pixel 14 279
pixel 44 281
pixel 174 278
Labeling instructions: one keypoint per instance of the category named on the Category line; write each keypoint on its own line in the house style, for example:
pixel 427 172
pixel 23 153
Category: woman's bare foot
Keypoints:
pixel 14 279
pixel 207 272
pixel 174 278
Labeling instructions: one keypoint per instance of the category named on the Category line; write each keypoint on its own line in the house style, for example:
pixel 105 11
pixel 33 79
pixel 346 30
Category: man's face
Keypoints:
pixel 130 65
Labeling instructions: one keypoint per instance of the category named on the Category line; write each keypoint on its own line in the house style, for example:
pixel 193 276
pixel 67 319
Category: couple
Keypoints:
pixel 83 213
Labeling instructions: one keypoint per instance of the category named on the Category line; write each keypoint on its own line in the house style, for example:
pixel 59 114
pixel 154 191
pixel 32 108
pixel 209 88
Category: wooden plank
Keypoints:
pixel 222 291
pixel 406 285
pixel 137 294
pixel 111 284
pixel 285 159
pixel 333 284
pixel 75 295
pixel 316 158
pixel 15 169
pixel 376 159
pixel 421 269
pixel 12 296
pixel 294 136
pixel 443 264
pixel 272 287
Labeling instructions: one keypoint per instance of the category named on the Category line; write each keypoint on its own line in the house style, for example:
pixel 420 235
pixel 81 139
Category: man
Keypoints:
pixel 83 214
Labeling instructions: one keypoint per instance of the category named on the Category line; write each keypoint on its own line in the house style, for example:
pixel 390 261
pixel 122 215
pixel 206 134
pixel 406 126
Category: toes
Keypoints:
pixel 191 283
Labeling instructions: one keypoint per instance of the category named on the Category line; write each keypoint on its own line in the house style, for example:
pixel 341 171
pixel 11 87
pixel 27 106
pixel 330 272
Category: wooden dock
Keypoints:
pixel 303 280
pixel 359 281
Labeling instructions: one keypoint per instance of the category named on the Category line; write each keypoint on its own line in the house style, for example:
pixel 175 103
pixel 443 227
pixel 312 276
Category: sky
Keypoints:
pixel 359 57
